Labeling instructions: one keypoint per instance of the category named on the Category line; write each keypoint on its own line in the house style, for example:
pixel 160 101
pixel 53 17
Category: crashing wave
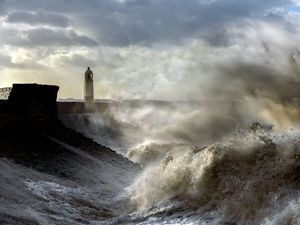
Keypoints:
pixel 250 177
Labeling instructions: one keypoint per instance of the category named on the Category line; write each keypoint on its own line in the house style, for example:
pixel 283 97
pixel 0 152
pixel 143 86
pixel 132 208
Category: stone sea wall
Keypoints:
pixel 29 106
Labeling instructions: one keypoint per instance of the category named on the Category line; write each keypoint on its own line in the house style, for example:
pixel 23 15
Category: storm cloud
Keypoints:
pixel 149 48
pixel 126 22
pixel 45 37
pixel 38 18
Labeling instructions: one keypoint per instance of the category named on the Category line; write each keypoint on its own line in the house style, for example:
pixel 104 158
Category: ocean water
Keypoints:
pixel 196 167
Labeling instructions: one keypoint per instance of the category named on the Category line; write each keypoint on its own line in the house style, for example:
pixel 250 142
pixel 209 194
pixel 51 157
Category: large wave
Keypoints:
pixel 252 177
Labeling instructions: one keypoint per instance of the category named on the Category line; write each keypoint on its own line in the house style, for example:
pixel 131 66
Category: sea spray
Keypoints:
pixel 197 169
pixel 247 178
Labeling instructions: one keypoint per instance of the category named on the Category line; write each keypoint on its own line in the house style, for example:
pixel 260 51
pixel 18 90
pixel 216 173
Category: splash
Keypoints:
pixel 250 176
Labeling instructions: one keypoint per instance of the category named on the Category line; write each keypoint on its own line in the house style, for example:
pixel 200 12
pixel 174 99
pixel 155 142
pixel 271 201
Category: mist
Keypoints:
pixel 212 91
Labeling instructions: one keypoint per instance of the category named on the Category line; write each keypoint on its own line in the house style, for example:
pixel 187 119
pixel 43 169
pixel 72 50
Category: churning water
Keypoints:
pixel 195 168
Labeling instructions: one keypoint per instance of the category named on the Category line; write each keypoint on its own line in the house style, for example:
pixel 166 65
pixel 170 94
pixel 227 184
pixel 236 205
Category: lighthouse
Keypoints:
pixel 88 86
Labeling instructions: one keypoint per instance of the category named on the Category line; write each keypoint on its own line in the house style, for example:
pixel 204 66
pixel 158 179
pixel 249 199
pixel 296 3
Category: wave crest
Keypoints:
pixel 240 176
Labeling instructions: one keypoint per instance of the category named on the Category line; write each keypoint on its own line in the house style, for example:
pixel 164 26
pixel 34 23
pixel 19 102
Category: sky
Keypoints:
pixel 147 49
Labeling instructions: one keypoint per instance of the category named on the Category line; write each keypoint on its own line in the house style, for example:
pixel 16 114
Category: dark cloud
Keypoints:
pixel 62 6
pixel 47 37
pixel 2 6
pixel 128 22
pixel 38 18
pixel 148 21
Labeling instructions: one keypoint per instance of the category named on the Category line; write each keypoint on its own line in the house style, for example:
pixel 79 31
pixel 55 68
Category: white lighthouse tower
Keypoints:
pixel 88 86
